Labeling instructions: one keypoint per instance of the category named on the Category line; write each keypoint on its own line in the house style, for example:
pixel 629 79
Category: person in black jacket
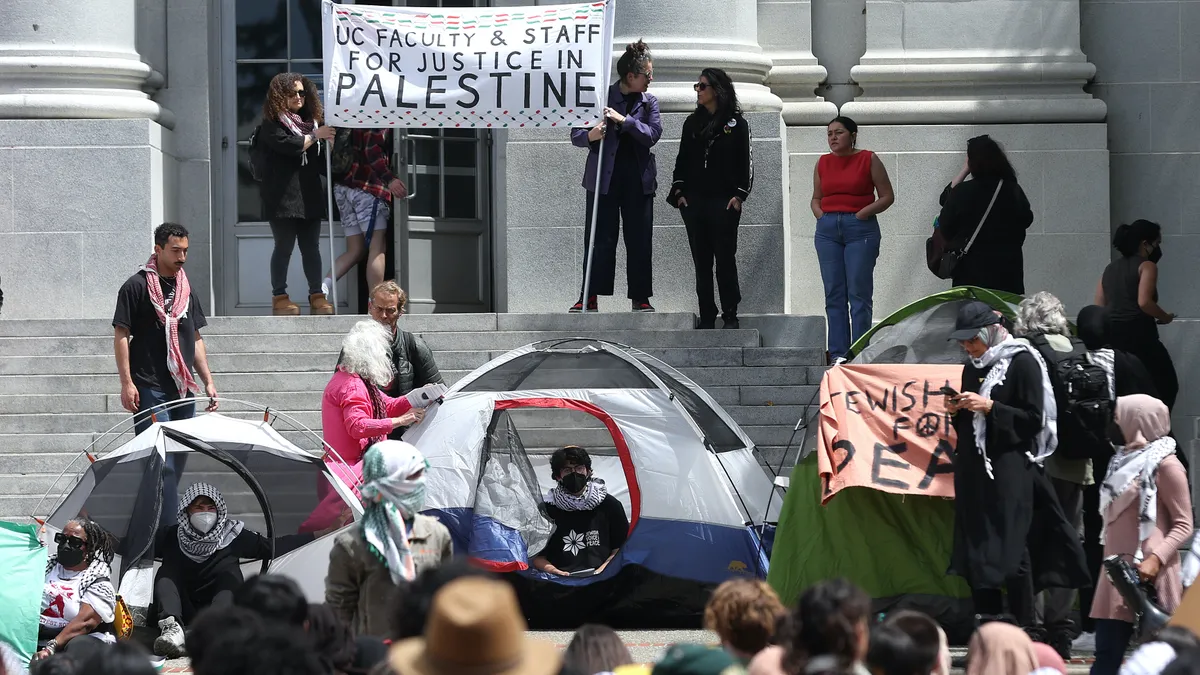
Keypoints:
pixel 714 173
pixel 994 260
pixel 201 561
pixel 292 194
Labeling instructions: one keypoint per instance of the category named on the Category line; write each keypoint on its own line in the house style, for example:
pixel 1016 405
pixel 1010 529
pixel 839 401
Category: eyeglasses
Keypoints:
pixel 71 541
pixel 300 93
pixel 700 86
pixel 575 469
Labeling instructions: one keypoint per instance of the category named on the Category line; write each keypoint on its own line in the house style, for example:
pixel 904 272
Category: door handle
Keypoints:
pixel 410 151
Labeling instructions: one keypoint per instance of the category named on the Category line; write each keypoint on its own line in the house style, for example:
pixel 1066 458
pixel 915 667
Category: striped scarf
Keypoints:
pixel 300 127
pixel 169 316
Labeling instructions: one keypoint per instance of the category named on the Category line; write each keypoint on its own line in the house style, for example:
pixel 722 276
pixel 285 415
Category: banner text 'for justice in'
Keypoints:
pixel 494 67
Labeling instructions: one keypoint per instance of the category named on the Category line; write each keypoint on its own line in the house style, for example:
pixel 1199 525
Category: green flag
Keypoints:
pixel 23 559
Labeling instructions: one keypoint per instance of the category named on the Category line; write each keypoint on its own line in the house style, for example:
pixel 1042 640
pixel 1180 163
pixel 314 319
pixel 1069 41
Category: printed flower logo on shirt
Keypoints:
pixel 573 543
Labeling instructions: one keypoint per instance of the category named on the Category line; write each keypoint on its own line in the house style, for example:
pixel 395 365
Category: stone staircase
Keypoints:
pixel 59 389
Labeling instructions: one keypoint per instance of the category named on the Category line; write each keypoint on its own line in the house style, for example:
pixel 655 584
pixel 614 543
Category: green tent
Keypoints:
pixel 23 559
pixel 896 547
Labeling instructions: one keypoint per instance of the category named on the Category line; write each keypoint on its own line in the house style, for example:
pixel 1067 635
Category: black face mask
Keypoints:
pixel 573 482
pixel 1155 255
pixel 69 556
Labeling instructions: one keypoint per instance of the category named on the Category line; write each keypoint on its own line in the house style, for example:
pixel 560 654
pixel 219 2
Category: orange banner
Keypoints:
pixel 886 427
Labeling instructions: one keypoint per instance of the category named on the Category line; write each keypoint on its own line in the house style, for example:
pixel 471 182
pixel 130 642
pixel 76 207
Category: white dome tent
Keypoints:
pixel 267 481
pixel 687 475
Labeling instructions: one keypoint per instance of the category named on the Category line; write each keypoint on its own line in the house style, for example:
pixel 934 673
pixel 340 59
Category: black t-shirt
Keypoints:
pixel 148 348
pixel 584 539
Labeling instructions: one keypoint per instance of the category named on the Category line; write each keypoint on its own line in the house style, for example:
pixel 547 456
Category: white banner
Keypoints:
pixel 486 67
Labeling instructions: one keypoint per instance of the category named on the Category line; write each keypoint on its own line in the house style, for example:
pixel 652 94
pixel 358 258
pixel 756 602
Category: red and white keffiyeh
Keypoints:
pixel 180 372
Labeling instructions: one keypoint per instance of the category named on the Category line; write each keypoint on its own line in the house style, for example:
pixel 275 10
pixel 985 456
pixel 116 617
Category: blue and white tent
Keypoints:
pixel 687 475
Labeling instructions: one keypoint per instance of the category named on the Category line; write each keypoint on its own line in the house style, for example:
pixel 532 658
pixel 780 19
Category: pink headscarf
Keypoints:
pixel 1143 419
pixel 1000 649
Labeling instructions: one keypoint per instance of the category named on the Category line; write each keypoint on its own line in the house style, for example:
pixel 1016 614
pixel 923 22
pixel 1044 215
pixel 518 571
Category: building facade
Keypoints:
pixel 118 114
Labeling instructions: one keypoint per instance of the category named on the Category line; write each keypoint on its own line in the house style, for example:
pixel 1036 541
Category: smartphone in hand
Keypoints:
pixel 583 573
pixel 948 391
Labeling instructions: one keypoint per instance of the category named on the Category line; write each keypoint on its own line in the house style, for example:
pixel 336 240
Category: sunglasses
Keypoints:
pixel 70 541
pixel 300 93
pixel 701 86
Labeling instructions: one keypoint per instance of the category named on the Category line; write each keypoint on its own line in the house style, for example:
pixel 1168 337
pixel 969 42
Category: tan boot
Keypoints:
pixel 317 304
pixel 282 305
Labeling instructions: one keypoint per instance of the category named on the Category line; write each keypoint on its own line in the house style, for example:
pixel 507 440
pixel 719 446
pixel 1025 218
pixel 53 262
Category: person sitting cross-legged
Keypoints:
pixel 590 525
pixel 201 561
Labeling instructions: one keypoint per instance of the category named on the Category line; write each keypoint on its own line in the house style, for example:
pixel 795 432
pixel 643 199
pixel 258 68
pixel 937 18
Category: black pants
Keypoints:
pixel 1021 605
pixel 288 231
pixel 622 207
pixel 712 234
pixel 1059 602
pixel 1140 338
pixel 174 597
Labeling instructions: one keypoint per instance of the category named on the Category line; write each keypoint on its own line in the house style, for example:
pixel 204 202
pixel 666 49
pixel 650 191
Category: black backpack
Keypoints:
pixel 1085 406
pixel 343 154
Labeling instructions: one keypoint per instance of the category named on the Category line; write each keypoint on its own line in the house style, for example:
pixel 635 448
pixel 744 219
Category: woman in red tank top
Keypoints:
pixel 850 187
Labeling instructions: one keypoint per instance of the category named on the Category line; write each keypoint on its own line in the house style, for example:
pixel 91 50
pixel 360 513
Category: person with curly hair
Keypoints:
pixel 744 613
pixel 79 601
pixel 629 178
pixel 714 173
pixel 292 194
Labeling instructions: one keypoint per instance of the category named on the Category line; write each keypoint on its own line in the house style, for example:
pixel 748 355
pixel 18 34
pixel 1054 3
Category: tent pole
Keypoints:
pixel 329 205
pixel 587 268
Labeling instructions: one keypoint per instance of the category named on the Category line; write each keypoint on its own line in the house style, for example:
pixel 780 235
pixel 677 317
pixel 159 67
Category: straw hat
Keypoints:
pixel 475 627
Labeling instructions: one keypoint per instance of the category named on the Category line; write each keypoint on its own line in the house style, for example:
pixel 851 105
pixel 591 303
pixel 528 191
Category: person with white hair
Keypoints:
pixel 355 413
pixel 391 545
pixel 1083 384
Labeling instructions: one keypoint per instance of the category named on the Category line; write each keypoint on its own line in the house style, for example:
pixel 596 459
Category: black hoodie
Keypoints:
pixel 717 164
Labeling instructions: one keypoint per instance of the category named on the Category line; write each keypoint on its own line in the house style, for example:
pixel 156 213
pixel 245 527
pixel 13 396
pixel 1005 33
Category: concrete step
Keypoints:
pixel 778 395
pixel 56 424
pixel 324 361
pixel 449 341
pixel 412 322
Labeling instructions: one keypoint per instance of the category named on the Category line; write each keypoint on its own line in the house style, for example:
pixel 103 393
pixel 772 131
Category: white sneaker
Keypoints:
pixel 326 286
pixel 170 639
pixel 1086 642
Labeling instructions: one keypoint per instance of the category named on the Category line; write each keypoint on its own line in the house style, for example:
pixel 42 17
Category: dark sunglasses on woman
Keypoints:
pixel 71 541
pixel 700 86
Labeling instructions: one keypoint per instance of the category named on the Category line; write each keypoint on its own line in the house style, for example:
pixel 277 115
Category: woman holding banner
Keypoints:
pixel 288 145
pixel 628 180
pixel 1009 530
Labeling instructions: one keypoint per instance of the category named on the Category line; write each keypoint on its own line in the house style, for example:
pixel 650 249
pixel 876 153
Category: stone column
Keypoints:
pixel 87 156
pixel 785 33
pixel 74 60
pixel 973 62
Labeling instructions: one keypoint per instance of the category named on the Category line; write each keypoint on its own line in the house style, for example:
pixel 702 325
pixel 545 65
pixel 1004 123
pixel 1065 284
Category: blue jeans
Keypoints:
pixel 847 249
pixel 1112 637
pixel 149 397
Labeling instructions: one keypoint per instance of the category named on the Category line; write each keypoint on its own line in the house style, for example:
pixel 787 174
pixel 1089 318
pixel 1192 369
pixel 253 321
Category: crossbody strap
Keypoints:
pixel 984 218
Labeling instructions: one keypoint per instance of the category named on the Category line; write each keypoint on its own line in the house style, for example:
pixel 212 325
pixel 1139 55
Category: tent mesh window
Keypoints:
pixel 507 490
pixel 562 370
pixel 720 437
pixel 919 338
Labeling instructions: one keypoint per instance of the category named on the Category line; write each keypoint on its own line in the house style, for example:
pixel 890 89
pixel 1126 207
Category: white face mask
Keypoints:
pixel 203 521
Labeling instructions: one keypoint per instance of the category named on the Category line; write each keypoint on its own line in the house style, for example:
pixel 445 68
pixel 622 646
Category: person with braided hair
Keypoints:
pixel 79 601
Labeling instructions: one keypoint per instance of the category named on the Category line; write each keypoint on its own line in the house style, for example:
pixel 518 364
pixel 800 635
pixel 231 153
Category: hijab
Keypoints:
pixel 996 360
pixel 391 500
pixel 1145 423
pixel 195 544
pixel 1000 649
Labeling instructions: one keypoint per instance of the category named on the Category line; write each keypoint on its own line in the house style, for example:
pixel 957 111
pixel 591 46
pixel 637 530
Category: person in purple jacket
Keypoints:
pixel 628 180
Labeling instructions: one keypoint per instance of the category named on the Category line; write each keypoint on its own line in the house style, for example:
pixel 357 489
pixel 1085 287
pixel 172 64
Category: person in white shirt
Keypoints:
pixel 78 600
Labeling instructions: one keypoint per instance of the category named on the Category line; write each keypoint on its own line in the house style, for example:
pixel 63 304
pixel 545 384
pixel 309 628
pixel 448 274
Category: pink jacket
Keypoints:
pixel 1173 525
pixel 347 419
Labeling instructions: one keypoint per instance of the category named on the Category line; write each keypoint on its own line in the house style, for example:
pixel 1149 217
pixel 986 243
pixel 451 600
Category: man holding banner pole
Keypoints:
pixel 621 179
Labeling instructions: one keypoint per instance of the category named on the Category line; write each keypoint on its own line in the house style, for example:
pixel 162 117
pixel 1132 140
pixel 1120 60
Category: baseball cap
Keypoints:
pixel 973 316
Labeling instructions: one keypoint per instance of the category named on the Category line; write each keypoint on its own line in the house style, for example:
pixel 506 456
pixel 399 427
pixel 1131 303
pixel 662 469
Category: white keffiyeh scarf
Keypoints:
pixel 391 500
pixel 998 358
pixel 195 544
pixel 593 494
pixel 1140 465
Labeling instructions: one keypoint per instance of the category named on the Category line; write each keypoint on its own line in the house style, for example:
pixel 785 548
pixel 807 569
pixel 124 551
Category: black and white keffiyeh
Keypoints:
pixel 96 571
pixel 1140 465
pixel 195 545
pixel 998 358
pixel 595 493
